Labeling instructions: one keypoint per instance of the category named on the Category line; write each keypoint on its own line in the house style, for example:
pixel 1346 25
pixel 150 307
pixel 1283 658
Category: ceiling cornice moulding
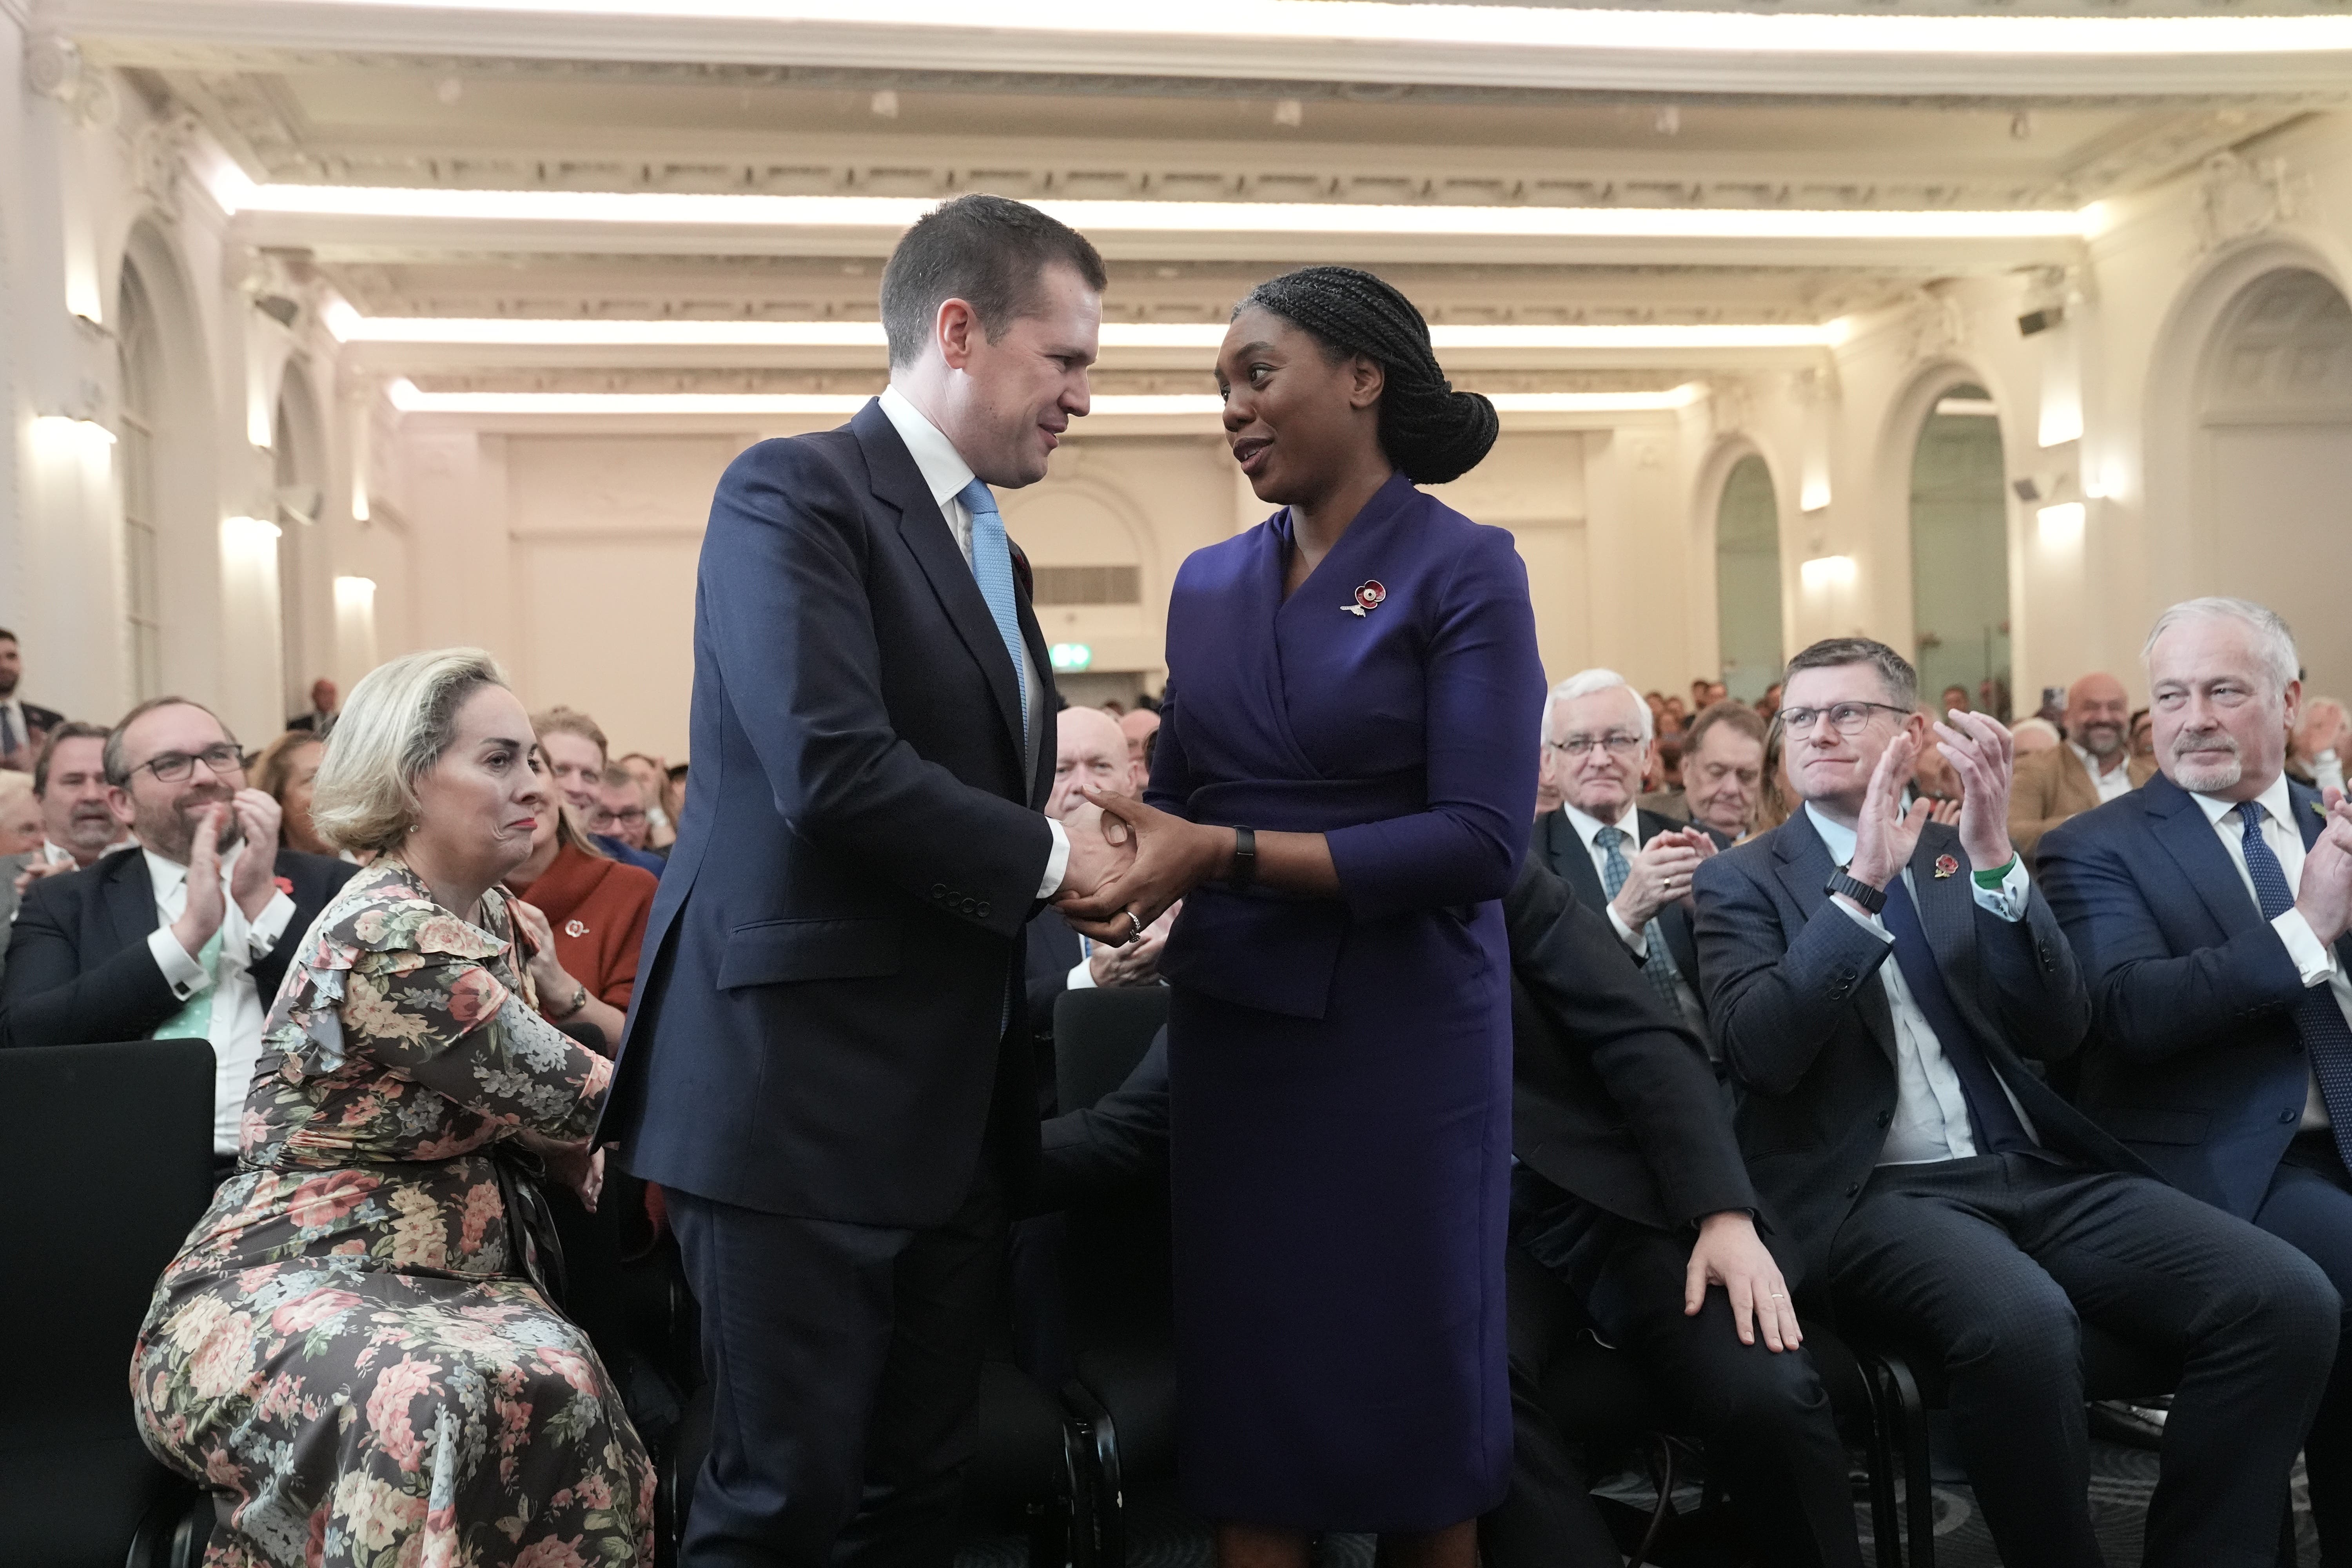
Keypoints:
pixel 1670 51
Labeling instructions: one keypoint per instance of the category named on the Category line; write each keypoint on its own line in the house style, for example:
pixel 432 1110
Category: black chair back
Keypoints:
pixel 1098 1036
pixel 108 1165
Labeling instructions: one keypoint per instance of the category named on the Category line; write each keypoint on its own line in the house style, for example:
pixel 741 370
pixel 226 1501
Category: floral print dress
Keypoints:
pixel 348 1349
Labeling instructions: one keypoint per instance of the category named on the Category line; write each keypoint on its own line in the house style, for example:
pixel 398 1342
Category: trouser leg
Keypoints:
pixel 1548 1518
pixel 2309 1206
pixel 1770 1438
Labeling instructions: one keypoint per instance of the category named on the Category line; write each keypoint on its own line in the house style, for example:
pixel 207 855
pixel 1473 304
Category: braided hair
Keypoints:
pixel 1428 430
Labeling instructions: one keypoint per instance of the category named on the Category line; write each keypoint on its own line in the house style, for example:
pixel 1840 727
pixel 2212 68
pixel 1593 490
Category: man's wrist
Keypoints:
pixel 1991 880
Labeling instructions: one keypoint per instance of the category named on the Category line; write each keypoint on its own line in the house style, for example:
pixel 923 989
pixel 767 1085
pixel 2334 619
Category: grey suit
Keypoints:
pixel 1990 1263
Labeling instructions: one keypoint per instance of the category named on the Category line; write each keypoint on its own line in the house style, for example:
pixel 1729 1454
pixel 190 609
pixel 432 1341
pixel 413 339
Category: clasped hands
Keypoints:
pixel 1659 873
pixel 1129 861
pixel 2324 893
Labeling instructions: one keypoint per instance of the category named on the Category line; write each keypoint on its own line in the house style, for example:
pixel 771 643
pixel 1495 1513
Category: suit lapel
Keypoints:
pixel 1947 913
pixel 1571 861
pixel 897 483
pixel 1804 870
pixel 2188 836
pixel 130 896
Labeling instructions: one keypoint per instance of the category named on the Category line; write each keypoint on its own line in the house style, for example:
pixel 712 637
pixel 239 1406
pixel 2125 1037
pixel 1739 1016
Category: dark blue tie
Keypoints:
pixel 2317 1019
pixel 1990 1116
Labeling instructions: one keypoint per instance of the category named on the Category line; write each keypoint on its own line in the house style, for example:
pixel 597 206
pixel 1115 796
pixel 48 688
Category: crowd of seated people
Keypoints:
pixel 1849 1006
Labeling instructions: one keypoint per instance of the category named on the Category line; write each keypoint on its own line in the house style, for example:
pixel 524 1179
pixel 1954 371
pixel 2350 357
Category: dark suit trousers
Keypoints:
pixel 845 1362
pixel 2309 1205
pixel 1764 1417
pixel 1990 1264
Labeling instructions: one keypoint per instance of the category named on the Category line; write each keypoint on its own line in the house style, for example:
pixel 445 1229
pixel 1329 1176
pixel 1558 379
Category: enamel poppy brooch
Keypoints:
pixel 1369 595
pixel 1945 867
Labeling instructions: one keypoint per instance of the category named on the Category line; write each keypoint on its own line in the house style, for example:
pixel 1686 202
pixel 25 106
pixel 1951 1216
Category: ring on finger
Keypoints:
pixel 1133 921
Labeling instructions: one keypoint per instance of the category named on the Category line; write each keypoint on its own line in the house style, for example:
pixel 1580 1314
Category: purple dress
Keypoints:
pixel 1340 1068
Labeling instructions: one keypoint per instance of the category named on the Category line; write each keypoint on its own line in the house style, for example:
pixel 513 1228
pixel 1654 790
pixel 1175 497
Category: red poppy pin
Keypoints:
pixel 285 885
pixel 575 929
pixel 1369 596
pixel 1945 867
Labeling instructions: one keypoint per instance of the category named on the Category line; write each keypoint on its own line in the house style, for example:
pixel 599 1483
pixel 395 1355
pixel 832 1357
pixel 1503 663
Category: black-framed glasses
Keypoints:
pixel 601 819
pixel 1846 718
pixel 1617 743
pixel 174 767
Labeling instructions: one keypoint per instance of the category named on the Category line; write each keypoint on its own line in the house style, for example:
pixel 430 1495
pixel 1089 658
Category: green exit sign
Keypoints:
pixel 1070 656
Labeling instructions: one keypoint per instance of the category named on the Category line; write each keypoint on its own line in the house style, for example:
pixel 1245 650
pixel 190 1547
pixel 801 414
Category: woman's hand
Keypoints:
pixel 576 1165
pixel 1172 857
pixel 554 986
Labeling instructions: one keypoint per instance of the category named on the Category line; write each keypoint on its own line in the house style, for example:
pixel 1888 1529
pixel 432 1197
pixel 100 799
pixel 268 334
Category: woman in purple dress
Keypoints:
pixel 1341 792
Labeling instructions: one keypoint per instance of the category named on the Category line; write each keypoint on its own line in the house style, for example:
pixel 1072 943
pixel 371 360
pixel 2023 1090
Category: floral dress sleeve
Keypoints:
pixel 425 995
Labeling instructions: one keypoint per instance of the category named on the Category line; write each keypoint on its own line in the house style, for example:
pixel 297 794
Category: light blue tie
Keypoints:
pixel 992 564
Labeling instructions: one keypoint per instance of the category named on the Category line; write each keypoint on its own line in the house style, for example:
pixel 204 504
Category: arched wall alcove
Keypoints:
pixel 169 531
pixel 299 469
pixel 1750 608
pixel 1952 569
pixel 2271 449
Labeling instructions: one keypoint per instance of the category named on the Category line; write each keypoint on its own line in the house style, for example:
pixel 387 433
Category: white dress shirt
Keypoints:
pixel 2313 958
pixel 2113 784
pixel 945 474
pixel 1931 1114
pixel 239 1007
pixel 1588 828
pixel 14 707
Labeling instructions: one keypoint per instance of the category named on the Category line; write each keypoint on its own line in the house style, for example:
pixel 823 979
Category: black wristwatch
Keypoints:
pixel 1871 899
pixel 1245 870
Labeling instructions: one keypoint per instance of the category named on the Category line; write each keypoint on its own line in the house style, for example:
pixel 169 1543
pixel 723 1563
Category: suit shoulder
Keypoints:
pixel 2103 822
pixel 1211 566
pixel 797 465
pixel 325 871
pixel 1751 858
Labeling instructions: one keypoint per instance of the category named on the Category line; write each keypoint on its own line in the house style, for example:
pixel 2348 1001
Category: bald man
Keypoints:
pixel 2091 767
pixel 1139 725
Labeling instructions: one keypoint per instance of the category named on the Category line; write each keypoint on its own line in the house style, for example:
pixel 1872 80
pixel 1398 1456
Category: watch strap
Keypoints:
pixel 1244 858
pixel 1871 899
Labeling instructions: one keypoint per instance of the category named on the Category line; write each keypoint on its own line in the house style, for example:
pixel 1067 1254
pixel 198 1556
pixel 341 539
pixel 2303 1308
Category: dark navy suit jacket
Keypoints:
pixel 832 960
pixel 1805 1026
pixel 1565 856
pixel 2193 1059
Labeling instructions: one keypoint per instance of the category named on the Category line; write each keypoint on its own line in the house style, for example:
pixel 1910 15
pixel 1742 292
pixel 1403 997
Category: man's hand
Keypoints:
pixel 1170 856
pixel 1885 833
pixel 205 907
pixel 1730 1254
pixel 254 882
pixel 2324 897
pixel 1659 873
pixel 576 1165
pixel 1981 752
pixel 1100 849
pixel 1137 963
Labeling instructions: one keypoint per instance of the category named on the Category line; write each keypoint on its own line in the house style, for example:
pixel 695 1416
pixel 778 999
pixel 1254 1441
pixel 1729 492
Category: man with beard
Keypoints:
pixel 23 726
pixel 186 933
pixel 2210 912
pixel 78 825
pixel 2093 766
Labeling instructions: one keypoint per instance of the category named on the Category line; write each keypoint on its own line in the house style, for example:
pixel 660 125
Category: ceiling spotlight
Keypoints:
pixel 1289 112
pixel 2021 125
pixel 885 104
pixel 1668 121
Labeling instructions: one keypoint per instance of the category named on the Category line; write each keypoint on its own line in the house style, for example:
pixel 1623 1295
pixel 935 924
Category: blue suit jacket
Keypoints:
pixel 1805 1026
pixel 2193 1059
pixel 830 966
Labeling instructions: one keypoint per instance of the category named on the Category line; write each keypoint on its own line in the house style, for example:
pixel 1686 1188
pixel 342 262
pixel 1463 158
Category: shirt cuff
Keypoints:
pixel 1081 976
pixel 1869 923
pixel 1057 861
pixel 2007 901
pixel 2312 958
pixel 182 974
pixel 1638 941
pixel 270 924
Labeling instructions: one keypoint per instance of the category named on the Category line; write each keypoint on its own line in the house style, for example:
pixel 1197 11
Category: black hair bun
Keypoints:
pixel 1435 434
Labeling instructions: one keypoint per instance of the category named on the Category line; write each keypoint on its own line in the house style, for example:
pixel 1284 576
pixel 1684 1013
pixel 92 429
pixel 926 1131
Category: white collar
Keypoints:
pixel 1587 824
pixel 168 874
pixel 2091 764
pixel 944 471
pixel 2274 800
pixel 1836 837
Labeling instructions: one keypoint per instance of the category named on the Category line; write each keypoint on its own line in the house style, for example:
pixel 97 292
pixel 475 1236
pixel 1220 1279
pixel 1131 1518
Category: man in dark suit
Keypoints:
pixel 1878 982
pixel 827 1067
pixel 23 725
pixel 189 931
pixel 1630 1190
pixel 325 702
pixel 2210 910
pixel 1629 865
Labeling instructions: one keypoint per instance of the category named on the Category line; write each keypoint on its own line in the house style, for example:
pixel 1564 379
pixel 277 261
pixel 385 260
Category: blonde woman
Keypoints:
pixel 351 1350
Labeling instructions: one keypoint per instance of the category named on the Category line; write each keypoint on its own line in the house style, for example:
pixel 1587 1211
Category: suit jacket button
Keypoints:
pixel 983 911
pixel 972 906
pixel 1852 1188
pixel 938 889
pixel 2288 1115
pixel 1886 1119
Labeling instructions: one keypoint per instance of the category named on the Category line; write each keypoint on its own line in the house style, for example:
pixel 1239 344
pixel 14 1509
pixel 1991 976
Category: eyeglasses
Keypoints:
pixel 1846 718
pixel 1617 743
pixel 601 820
pixel 174 767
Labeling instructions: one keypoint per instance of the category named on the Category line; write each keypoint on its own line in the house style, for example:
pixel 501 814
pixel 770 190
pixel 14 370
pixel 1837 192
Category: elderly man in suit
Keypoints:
pixel 2210 910
pixel 828 1064
pixel 2093 766
pixel 1878 982
pixel 1632 866
pixel 187 933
